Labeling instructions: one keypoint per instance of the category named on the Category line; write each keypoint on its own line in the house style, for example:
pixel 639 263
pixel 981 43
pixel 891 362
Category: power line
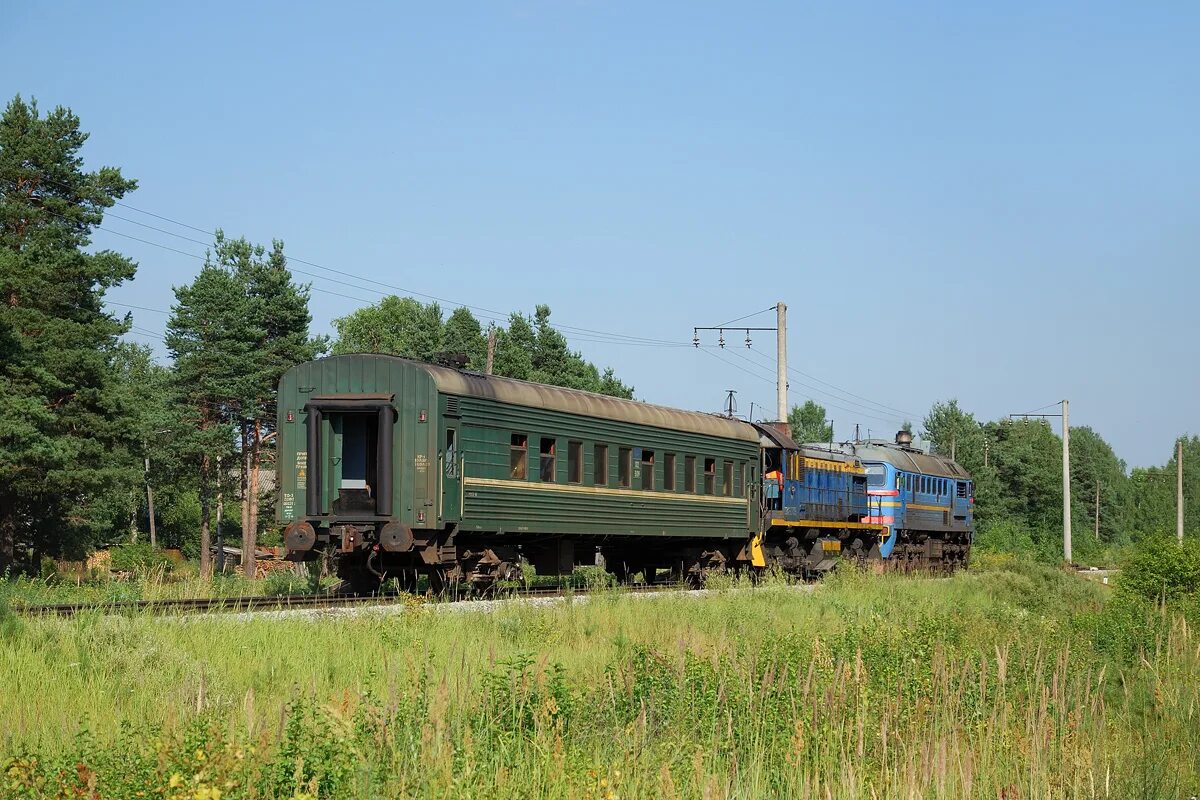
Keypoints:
pixel 762 377
pixel 748 316
pixel 878 406
pixel 498 315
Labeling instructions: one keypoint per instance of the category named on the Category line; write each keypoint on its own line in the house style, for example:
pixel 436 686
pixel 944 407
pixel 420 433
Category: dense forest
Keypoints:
pixel 100 443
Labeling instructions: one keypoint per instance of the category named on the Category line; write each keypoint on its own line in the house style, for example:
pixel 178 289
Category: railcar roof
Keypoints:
pixel 572 401
pixel 904 458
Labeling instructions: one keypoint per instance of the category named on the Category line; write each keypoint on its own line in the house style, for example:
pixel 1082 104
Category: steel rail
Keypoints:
pixel 307 601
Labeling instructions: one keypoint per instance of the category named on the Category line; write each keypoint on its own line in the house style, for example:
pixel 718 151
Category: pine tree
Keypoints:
pixel 65 430
pixel 210 338
pixel 234 332
pixel 280 318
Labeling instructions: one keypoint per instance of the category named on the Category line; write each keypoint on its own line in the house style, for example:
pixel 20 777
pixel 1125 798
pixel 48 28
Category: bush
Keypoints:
pixel 1159 568
pixel 139 558
pixel 286 582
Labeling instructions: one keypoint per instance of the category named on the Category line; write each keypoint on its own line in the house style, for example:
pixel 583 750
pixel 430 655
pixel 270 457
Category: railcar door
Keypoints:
pixel 450 466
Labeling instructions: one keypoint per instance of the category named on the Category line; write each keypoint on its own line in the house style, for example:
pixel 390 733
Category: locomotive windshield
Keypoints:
pixel 876 475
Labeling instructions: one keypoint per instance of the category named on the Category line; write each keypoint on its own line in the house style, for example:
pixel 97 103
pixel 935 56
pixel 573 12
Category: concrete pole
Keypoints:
pixel 491 350
pixel 1179 491
pixel 150 504
pixel 1066 437
pixel 781 361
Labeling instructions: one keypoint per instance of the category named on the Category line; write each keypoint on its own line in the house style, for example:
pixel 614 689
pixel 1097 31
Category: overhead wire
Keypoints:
pixel 858 411
pixel 605 336
pixel 874 406
pixel 578 333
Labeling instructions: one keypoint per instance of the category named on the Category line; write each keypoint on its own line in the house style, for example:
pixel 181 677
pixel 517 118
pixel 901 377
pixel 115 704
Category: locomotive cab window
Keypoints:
pixel 600 465
pixel 648 470
pixel 689 474
pixel 669 472
pixel 517 454
pixel 547 459
pixel 574 462
pixel 876 474
pixel 624 467
pixel 710 476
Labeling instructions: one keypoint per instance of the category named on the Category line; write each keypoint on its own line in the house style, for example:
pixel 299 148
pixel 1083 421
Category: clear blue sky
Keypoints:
pixel 994 202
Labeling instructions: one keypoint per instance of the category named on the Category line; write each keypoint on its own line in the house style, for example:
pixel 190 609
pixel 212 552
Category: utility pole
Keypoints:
pixel 781 382
pixel 1179 492
pixel 1097 509
pixel 491 350
pixel 1066 459
pixel 954 446
pixel 150 501
pixel 1066 437
pixel 781 359
pixel 221 508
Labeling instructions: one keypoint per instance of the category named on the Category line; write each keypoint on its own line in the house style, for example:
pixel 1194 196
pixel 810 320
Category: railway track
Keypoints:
pixel 297 602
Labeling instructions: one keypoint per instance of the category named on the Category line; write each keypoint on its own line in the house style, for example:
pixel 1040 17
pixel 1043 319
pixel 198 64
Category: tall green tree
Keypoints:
pixel 1099 488
pixel 150 393
pixel 808 423
pixel 955 433
pixel 397 326
pixel 462 333
pixel 278 330
pixel 210 336
pixel 233 334
pixel 528 348
pixel 65 432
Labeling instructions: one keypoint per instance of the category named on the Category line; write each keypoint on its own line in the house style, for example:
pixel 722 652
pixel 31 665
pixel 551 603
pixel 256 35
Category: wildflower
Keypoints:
pixel 604 783
pixel 176 780
pixel 200 754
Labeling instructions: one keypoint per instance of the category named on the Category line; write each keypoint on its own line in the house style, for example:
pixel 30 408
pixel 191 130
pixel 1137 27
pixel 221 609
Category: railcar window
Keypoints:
pixel 962 489
pixel 876 474
pixel 689 474
pixel 547 458
pixel 451 465
pixel 574 462
pixel 669 472
pixel 517 454
pixel 727 479
pixel 648 470
pixel 600 465
pixel 624 466
pixel 739 478
pixel 710 476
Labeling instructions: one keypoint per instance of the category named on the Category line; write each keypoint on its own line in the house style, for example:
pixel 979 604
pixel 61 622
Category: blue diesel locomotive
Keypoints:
pixel 873 500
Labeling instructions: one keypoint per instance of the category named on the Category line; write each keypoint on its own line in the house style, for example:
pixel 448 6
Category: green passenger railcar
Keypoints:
pixel 402 467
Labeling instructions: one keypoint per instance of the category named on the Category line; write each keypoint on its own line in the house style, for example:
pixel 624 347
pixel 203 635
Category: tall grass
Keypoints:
pixel 1014 681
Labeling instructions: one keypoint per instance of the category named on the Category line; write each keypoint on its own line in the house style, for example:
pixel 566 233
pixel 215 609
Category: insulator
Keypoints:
pixel 695 339
pixel 721 341
pixel 747 340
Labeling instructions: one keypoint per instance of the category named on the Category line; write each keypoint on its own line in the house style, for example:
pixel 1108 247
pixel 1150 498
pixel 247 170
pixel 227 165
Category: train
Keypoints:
pixel 398 469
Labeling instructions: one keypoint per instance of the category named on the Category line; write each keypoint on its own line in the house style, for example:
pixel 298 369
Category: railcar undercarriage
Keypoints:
pixel 368 554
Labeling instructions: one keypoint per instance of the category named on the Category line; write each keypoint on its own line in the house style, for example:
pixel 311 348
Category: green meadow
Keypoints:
pixel 1010 680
